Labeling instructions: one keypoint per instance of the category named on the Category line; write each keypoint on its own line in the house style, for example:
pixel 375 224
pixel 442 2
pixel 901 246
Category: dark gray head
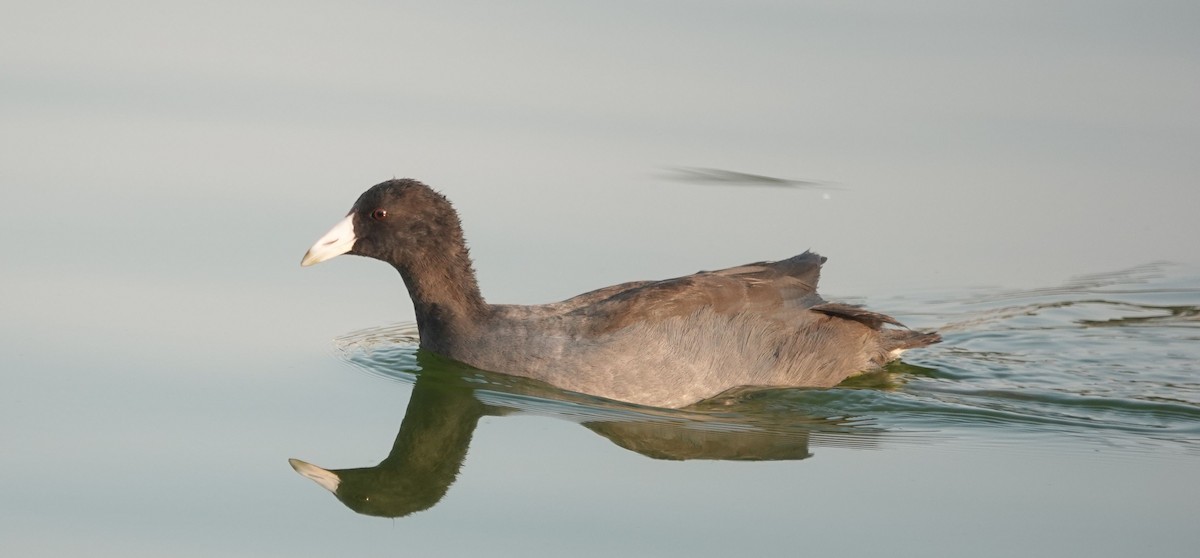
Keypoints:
pixel 416 230
pixel 398 221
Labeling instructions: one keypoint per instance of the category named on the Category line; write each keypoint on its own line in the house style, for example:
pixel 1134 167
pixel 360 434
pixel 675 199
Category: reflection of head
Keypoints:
pixel 425 459
pixel 378 491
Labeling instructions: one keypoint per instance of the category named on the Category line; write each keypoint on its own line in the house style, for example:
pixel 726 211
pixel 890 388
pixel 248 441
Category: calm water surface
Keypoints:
pixel 1068 415
pixel 1055 421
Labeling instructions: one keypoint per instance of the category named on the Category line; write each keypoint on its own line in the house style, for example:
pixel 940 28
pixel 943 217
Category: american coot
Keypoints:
pixel 665 343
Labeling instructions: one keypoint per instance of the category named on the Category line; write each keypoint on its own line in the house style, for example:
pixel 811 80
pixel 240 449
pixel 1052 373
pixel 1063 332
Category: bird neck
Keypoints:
pixel 445 297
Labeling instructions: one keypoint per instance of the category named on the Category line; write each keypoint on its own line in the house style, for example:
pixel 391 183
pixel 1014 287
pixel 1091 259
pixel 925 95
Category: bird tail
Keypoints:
pixel 903 339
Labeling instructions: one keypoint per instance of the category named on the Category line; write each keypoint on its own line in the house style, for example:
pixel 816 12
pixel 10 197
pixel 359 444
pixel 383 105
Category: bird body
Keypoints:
pixel 666 343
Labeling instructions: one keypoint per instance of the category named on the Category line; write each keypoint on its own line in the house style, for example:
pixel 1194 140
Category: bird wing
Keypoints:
pixel 769 289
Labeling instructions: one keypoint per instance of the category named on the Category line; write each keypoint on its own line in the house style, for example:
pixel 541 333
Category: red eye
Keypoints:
pixel 379 214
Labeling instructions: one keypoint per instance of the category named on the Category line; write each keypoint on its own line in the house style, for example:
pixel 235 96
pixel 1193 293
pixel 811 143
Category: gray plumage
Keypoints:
pixel 665 343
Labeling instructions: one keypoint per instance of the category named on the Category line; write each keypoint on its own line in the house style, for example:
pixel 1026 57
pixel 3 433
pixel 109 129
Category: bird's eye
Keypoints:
pixel 379 214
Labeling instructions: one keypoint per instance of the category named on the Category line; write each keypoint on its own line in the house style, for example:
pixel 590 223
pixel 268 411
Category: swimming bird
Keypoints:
pixel 667 343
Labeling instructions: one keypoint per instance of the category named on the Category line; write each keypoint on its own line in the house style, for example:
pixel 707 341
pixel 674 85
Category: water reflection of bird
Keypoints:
pixel 444 409
pixel 664 343
pixel 423 463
